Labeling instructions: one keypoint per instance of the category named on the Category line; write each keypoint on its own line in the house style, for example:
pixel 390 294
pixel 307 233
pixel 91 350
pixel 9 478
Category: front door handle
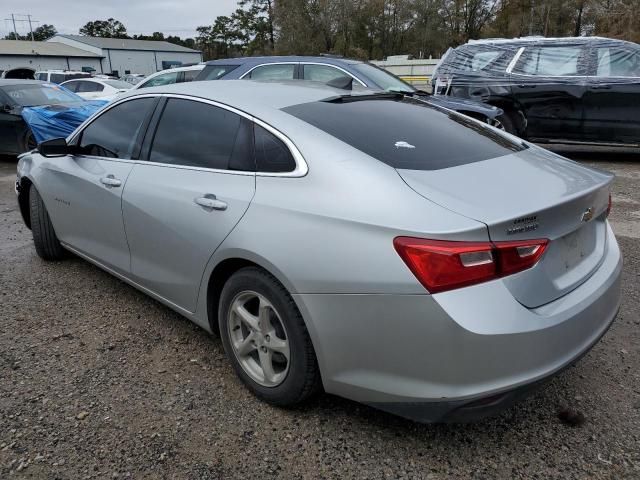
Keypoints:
pixel 601 87
pixel 526 85
pixel 210 202
pixel 111 181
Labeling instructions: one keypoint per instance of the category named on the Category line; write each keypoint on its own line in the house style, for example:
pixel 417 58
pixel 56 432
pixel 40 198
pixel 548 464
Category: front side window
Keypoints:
pixel 195 134
pixel 273 72
pixel 272 155
pixel 164 79
pixel 41 76
pixel 114 133
pixel 382 78
pixel 322 73
pixel 617 62
pixel 550 61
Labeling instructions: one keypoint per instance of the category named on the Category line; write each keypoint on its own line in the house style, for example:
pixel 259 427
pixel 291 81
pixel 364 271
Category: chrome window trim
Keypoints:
pixel 300 170
pixel 303 63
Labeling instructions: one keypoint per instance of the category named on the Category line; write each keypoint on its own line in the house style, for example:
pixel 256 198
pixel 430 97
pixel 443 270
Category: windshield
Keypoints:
pixel 119 84
pixel 383 79
pixel 40 94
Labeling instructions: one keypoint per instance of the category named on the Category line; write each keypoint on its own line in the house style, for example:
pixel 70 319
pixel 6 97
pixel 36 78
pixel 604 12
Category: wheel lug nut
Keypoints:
pixel 264 349
pixel 267 338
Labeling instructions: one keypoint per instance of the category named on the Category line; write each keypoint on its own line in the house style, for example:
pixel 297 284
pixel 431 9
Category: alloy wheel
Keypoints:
pixel 259 339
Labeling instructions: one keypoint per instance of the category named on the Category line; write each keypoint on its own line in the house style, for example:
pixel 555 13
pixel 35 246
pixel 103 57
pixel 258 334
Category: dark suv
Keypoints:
pixel 567 90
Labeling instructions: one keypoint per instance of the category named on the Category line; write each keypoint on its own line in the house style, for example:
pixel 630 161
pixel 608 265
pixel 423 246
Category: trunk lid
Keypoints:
pixel 527 195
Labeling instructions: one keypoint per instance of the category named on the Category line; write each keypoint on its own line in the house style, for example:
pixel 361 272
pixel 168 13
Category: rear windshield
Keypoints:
pixel 30 95
pixel 214 72
pixel 406 133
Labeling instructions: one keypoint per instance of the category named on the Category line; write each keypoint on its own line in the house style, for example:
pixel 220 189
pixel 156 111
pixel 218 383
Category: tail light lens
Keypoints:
pixel 609 206
pixel 442 265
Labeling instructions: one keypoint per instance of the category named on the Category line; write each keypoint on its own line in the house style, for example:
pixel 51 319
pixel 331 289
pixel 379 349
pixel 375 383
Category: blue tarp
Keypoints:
pixel 58 121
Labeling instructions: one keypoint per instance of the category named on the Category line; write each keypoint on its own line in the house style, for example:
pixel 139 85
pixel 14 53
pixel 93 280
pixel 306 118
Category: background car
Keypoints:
pixel 373 245
pixel 97 88
pixel 133 78
pixel 15 135
pixel 170 76
pixel 329 69
pixel 59 76
pixel 567 90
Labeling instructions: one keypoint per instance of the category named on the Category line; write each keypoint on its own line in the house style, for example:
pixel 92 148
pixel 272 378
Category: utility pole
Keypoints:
pixel 30 27
pixel 15 32
pixel 28 20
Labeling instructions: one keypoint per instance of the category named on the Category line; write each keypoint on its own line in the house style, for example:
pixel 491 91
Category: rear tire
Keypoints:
pixel 44 236
pixel 250 338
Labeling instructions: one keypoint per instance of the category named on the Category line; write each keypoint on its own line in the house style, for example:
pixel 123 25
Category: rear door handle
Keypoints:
pixel 111 181
pixel 601 87
pixel 526 85
pixel 210 202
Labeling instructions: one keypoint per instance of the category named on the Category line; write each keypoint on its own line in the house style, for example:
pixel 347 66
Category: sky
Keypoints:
pixel 172 17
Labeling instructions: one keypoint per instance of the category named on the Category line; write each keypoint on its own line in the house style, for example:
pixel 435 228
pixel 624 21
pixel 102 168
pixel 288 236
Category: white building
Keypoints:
pixel 124 55
pixel 16 55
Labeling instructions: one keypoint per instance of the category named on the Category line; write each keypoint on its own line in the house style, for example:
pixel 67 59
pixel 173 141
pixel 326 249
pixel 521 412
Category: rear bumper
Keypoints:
pixel 460 354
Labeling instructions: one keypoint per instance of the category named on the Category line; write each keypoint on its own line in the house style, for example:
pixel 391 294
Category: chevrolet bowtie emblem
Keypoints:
pixel 587 215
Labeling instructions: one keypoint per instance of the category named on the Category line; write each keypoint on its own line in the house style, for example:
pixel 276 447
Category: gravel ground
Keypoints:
pixel 99 381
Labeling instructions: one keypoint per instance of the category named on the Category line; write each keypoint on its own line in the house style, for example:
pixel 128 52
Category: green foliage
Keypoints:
pixel 40 34
pixel 109 28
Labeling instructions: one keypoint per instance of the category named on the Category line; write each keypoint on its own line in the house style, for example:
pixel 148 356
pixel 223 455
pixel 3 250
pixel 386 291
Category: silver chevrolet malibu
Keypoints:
pixel 364 243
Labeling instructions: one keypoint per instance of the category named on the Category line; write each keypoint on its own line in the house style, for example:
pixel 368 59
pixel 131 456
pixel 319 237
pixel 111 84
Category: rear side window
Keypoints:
pixel 114 133
pixel 195 134
pixel 617 62
pixel 551 61
pixel 214 72
pixel 272 72
pixel 406 133
pixel 87 87
pixel 73 86
pixel 272 155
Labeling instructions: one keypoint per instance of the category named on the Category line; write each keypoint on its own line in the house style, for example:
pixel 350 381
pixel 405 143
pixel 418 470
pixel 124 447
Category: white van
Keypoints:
pixel 59 76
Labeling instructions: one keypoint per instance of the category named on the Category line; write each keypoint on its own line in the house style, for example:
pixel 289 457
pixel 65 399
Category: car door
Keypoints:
pixel 83 192
pixel 612 101
pixel 10 124
pixel 190 189
pixel 548 83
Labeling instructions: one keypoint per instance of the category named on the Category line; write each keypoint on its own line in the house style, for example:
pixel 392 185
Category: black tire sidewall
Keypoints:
pixel 508 122
pixel 293 389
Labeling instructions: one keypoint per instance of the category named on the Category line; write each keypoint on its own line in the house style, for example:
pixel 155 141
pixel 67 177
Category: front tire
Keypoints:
pixel 44 236
pixel 266 340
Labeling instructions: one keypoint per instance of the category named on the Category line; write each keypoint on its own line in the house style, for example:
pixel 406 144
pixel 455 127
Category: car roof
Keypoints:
pixel 284 58
pixel 250 96
pixel 521 41
pixel 15 81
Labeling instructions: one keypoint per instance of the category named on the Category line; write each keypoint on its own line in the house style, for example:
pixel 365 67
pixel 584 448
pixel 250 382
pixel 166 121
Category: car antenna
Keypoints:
pixel 343 83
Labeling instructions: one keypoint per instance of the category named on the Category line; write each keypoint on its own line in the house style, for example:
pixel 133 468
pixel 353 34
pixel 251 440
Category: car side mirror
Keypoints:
pixel 56 147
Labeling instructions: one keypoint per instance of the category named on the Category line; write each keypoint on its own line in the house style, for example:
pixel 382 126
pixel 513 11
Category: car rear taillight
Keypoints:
pixel 441 265
pixel 609 206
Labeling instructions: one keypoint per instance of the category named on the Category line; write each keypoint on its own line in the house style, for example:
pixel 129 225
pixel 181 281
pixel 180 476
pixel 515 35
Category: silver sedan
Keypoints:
pixel 368 244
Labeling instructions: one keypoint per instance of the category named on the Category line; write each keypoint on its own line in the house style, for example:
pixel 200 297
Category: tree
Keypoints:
pixel 44 32
pixel 109 28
